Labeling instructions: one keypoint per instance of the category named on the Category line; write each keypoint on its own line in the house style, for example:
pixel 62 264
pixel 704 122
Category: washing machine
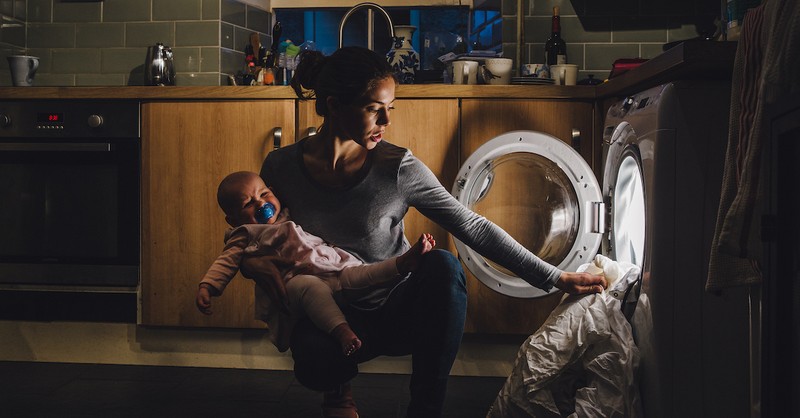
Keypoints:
pixel 663 154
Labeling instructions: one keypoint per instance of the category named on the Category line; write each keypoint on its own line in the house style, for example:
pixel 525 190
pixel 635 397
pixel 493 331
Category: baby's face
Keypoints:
pixel 253 193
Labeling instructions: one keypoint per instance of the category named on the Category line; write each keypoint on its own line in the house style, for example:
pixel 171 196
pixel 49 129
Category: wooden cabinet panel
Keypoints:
pixel 187 148
pixel 482 120
pixel 429 128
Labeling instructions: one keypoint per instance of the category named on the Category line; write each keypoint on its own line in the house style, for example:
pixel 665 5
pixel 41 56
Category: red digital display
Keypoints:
pixel 50 117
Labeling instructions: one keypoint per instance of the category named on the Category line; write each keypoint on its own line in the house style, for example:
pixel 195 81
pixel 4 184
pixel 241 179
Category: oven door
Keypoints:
pixel 70 212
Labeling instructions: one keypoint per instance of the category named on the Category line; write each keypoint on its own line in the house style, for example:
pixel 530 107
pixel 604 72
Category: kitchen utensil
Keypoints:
pixel 497 70
pixel 23 68
pixel 590 81
pixel 272 55
pixel 535 70
pixel 159 68
pixel 465 72
pixel 623 65
pixel 565 74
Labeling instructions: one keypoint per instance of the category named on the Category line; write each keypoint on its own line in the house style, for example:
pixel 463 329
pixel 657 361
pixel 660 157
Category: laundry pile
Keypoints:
pixel 582 362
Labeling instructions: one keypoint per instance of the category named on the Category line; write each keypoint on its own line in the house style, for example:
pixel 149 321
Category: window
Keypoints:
pixel 438 29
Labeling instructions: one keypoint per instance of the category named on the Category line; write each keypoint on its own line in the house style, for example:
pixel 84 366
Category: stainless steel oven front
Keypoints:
pixel 69 181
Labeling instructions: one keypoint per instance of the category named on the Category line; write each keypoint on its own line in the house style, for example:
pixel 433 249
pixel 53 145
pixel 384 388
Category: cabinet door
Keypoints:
pixel 187 148
pixel 482 120
pixel 429 128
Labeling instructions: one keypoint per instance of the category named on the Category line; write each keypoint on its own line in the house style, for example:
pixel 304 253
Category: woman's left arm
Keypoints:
pixel 424 192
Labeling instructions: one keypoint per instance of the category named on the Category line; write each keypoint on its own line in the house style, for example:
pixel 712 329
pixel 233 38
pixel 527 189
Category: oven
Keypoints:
pixel 70 182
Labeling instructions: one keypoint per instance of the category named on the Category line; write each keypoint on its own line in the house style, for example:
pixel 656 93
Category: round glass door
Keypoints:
pixel 540 191
pixel 625 186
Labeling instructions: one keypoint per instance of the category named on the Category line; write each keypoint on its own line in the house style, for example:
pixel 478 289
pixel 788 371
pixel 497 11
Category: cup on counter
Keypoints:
pixel 23 69
pixel 465 72
pixel 535 70
pixel 497 70
pixel 564 74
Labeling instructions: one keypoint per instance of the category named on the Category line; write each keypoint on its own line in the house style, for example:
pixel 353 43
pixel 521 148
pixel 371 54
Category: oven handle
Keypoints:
pixel 50 146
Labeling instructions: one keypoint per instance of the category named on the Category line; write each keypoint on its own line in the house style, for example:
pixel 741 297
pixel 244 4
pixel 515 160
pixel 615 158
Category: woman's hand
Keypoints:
pixel 579 283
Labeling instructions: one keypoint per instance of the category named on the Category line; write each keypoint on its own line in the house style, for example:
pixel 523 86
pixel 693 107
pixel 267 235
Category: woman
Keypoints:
pixel 354 190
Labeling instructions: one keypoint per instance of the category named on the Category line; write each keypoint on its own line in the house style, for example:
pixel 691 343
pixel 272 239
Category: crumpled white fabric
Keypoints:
pixel 582 362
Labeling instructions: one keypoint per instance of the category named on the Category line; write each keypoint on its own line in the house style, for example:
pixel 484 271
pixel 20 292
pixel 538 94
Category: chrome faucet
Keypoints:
pixel 371 7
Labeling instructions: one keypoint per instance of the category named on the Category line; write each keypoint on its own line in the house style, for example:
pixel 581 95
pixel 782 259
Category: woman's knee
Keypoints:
pixel 446 265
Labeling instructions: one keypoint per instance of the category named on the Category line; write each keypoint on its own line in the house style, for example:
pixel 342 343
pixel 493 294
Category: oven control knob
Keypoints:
pixel 5 120
pixel 95 121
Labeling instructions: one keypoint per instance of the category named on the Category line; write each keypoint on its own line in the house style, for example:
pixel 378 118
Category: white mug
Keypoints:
pixel 564 74
pixel 465 72
pixel 23 68
pixel 497 70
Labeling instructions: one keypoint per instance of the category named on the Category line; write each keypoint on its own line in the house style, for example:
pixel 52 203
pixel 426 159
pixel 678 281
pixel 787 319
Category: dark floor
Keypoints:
pixel 35 389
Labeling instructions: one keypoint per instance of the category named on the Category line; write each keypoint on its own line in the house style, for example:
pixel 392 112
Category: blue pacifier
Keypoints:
pixel 265 212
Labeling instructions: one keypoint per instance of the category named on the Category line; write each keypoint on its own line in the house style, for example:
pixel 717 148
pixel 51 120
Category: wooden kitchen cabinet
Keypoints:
pixel 481 120
pixel 187 148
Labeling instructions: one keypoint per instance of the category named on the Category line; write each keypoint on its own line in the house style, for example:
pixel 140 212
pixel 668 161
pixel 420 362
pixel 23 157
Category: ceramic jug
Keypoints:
pixel 159 69
pixel 402 57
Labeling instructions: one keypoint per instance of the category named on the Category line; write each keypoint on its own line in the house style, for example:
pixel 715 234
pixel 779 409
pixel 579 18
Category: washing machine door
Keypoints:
pixel 624 191
pixel 539 190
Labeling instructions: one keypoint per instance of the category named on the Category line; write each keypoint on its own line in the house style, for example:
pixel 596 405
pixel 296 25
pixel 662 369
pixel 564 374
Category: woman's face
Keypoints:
pixel 365 120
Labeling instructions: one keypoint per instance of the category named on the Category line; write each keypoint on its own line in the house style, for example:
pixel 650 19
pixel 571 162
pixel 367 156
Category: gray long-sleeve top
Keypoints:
pixel 367 218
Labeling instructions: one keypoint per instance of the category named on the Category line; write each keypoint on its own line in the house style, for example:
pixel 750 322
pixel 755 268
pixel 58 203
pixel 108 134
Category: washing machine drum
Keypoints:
pixel 543 193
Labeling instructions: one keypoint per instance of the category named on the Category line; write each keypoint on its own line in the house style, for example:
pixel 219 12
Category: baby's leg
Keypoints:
pixel 409 261
pixel 311 296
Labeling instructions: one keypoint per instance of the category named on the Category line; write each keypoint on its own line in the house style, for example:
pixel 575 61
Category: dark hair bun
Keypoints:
pixel 304 81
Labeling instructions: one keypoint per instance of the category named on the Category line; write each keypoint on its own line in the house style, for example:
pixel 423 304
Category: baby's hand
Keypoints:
pixel 203 300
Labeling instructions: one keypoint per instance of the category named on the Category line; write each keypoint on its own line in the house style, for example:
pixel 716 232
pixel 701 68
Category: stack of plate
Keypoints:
pixel 531 80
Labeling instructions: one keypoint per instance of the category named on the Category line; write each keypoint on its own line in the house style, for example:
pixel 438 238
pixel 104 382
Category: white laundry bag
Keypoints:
pixel 582 362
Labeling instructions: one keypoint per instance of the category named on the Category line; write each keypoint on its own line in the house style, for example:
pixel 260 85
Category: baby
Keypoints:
pixel 306 274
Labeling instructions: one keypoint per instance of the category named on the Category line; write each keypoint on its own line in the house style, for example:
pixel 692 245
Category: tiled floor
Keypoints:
pixel 35 389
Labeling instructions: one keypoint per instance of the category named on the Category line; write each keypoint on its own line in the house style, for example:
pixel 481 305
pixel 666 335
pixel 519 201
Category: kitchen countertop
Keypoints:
pixel 692 59
pixel 687 60
pixel 284 92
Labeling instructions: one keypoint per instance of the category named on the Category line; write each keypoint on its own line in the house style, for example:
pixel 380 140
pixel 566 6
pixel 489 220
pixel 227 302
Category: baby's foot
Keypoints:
pixel 347 338
pixel 409 261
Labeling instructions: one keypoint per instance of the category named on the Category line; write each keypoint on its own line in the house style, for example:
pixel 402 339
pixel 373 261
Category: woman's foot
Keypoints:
pixel 409 261
pixel 347 338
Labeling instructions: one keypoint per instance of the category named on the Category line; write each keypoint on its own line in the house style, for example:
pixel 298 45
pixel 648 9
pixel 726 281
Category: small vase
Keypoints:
pixel 402 57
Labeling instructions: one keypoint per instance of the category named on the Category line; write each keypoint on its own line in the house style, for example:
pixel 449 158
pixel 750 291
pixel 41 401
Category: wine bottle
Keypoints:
pixel 555 49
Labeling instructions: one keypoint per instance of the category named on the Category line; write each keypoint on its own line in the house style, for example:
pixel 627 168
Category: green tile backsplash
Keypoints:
pixel 126 10
pixel 76 12
pixel 147 34
pixel 197 33
pixel 76 61
pixel 177 10
pixel 598 32
pixel 105 43
pixel 233 12
pixel 99 35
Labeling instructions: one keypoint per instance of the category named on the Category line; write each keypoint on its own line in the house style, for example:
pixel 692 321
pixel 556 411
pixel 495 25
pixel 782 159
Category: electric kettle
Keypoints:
pixel 159 69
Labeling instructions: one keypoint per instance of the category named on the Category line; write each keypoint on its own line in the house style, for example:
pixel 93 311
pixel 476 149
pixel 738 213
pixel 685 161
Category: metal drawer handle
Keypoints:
pixel 276 138
pixel 576 140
